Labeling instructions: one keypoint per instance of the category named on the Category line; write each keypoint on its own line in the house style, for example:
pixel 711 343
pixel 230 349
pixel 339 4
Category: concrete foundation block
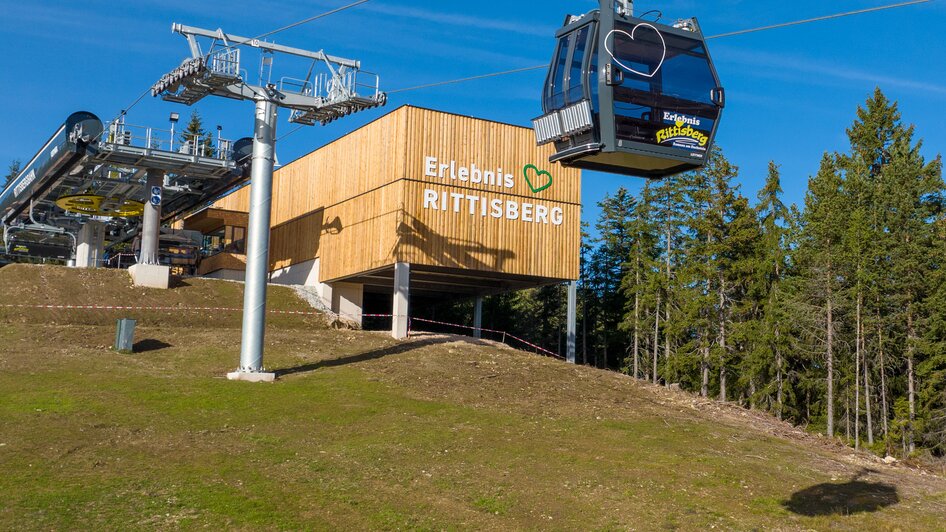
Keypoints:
pixel 251 376
pixel 150 275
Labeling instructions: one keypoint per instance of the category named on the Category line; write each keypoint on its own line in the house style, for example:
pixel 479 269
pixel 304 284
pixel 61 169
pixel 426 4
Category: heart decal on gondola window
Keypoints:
pixel 630 36
pixel 539 185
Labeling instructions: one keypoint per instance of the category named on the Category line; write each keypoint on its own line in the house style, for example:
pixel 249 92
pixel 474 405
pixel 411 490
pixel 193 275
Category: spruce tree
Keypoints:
pixel 670 217
pixel 610 261
pixel 195 139
pixel 769 348
pixel 896 195
pixel 12 171
pixel 640 269
pixel 820 255
pixel 724 236
pixel 932 370
pixel 697 271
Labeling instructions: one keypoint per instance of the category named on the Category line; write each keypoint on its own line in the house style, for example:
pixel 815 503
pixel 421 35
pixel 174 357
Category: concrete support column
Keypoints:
pixel 402 285
pixel 327 294
pixel 149 272
pixel 151 221
pixel 571 321
pixel 478 317
pixel 90 245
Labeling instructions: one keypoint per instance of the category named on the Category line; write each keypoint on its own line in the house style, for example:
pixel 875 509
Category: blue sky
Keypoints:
pixel 791 92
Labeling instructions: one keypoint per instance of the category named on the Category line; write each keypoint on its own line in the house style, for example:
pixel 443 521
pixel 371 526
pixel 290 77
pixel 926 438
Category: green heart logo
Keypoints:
pixel 538 175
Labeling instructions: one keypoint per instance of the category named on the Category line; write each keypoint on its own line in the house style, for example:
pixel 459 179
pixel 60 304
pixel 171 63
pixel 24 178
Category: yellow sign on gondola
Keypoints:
pixel 96 205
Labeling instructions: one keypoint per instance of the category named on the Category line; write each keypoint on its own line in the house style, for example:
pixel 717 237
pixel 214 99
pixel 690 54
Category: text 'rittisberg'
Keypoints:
pixel 483 206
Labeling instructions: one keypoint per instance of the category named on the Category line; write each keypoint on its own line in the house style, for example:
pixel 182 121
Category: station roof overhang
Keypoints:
pixel 437 281
pixel 211 219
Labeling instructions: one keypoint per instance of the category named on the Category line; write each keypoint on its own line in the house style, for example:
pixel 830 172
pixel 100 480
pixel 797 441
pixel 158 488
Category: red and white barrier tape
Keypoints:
pixel 282 312
pixel 541 349
pixel 179 309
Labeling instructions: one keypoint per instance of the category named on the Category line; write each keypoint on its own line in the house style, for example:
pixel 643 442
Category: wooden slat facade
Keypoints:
pixel 209 220
pixel 358 203
pixel 222 261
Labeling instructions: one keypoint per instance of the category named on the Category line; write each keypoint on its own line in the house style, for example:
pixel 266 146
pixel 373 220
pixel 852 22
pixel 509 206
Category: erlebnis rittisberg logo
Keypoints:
pixel 538 180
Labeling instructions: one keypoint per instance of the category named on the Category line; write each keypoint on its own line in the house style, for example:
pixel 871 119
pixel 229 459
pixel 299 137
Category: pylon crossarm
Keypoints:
pixel 189 31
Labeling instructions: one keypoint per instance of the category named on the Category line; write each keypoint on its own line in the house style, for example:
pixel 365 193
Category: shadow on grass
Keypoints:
pixel 852 497
pixel 177 281
pixel 396 349
pixel 144 346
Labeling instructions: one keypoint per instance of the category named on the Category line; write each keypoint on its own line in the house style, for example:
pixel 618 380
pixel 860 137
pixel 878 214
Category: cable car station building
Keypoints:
pixel 418 203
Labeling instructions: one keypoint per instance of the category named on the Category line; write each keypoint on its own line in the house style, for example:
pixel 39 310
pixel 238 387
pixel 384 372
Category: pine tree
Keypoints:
pixel 917 195
pixel 640 269
pixel 610 264
pixel 670 217
pixel 895 195
pixel 819 253
pixel 725 208
pixel 195 139
pixel 696 273
pixel 773 256
pixel 865 242
pixel 12 171
pixel 932 371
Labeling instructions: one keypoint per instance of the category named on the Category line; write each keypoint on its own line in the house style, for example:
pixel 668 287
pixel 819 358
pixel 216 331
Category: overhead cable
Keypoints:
pixel 719 36
pixel 471 78
pixel 310 19
pixel 818 19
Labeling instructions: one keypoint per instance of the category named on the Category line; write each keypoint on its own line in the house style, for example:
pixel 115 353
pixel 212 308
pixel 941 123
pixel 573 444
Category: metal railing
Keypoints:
pixel 225 62
pixel 152 138
pixel 342 86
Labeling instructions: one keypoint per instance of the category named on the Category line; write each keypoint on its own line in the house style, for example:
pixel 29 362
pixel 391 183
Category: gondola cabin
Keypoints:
pixel 630 96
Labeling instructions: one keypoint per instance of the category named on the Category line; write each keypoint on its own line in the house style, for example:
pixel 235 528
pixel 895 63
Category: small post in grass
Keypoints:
pixel 125 336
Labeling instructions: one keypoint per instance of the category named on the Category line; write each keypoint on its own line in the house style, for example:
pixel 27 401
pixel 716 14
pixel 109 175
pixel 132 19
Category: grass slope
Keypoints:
pixel 365 432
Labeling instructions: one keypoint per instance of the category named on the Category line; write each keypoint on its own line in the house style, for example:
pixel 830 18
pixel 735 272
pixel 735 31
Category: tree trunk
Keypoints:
pixel 704 387
pixel 830 356
pixel 722 341
pixel 637 324
pixel 646 346
pixel 656 337
pixel 667 339
pixel 847 415
pixel 667 304
pixel 779 393
pixel 807 406
pixel 752 393
pixel 857 384
pixel 911 343
pixel 705 358
pixel 870 420
pixel 883 381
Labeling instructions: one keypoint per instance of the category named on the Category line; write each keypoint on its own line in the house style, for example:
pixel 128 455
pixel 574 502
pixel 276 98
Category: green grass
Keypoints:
pixel 438 434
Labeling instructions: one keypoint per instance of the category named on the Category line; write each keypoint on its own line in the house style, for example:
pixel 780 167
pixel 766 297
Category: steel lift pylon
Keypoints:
pixel 340 90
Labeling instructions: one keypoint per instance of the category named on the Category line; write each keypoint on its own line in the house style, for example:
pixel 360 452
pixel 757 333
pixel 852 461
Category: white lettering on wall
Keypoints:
pixel 430 167
pixel 483 207
pixel 457 174
pixel 557 216
pixel 472 173
pixel 430 199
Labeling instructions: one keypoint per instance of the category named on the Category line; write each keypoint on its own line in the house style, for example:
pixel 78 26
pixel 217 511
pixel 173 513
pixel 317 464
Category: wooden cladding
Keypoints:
pixel 222 261
pixel 490 147
pixel 363 160
pixel 209 220
pixel 428 188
